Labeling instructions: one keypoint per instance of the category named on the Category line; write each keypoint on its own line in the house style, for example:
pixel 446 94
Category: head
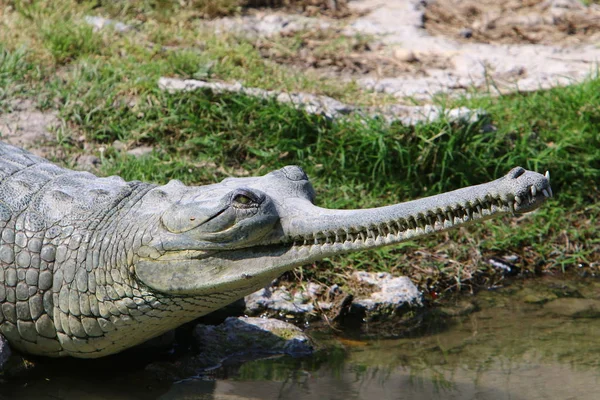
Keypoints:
pixel 222 235
pixel 243 232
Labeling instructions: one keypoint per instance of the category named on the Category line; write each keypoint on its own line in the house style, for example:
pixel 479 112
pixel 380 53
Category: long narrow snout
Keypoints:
pixel 334 231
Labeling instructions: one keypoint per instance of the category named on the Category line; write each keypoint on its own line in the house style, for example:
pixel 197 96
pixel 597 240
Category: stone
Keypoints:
pixel 278 300
pixel 240 336
pixel 141 151
pixel 390 295
pixel 99 23
pixel 331 108
pixel 405 55
pixel 236 340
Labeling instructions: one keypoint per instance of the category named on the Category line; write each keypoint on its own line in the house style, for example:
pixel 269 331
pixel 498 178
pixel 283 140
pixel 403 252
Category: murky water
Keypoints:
pixel 537 342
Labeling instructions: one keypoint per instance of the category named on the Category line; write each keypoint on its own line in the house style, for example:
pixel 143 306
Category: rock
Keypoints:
pixel 278 301
pixel 464 115
pixel 141 151
pixel 574 308
pixel 99 23
pixel 329 107
pixel 5 352
pixel 405 55
pixel 413 115
pixel 390 296
pixel 313 104
pixel 300 304
pixel 234 341
pixel 248 335
pixel 504 266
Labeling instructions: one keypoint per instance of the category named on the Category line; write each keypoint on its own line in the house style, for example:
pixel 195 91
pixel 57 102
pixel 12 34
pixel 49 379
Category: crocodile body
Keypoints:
pixel 90 266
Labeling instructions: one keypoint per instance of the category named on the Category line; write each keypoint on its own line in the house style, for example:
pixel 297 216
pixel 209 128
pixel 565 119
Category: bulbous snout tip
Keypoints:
pixel 533 190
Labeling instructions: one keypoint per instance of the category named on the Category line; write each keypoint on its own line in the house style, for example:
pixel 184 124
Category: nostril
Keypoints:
pixel 516 172
pixel 294 173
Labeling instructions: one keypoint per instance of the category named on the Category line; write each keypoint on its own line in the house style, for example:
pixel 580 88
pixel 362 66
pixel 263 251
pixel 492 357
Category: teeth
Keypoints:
pixel 430 220
pixel 545 192
pixel 511 206
pixel 547 175
pixel 550 191
pixel 518 200
pixel 533 191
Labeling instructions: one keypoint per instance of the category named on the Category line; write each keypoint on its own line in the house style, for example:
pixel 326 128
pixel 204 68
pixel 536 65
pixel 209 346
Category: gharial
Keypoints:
pixel 91 266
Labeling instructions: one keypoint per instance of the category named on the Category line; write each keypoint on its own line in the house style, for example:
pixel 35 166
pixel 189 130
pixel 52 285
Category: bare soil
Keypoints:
pixel 310 8
pixel 334 52
pixel 26 126
pixel 549 22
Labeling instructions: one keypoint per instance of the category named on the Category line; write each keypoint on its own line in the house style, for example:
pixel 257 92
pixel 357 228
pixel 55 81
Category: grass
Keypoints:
pixel 105 86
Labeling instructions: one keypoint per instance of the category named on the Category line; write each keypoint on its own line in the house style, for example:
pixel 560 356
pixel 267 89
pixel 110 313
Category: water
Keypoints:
pixel 509 349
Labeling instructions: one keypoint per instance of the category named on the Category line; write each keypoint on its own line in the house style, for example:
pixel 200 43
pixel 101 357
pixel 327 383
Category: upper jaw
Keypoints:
pixel 519 191
pixel 533 193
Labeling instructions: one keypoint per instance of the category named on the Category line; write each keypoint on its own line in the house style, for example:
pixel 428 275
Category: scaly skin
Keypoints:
pixel 91 266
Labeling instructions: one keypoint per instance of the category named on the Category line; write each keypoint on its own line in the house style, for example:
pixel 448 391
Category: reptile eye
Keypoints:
pixel 240 198
pixel 245 198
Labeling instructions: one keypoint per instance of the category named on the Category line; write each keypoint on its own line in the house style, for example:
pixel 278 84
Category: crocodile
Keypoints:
pixel 90 266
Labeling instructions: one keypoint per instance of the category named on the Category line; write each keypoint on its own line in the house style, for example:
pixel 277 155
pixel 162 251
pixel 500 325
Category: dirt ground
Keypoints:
pixel 546 22
pixel 332 52
pixel 415 49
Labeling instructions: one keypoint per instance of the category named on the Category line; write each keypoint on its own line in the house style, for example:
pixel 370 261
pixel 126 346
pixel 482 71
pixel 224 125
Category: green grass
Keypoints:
pixel 105 87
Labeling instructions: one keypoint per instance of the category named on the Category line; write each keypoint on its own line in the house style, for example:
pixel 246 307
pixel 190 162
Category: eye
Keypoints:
pixel 240 198
pixel 245 198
